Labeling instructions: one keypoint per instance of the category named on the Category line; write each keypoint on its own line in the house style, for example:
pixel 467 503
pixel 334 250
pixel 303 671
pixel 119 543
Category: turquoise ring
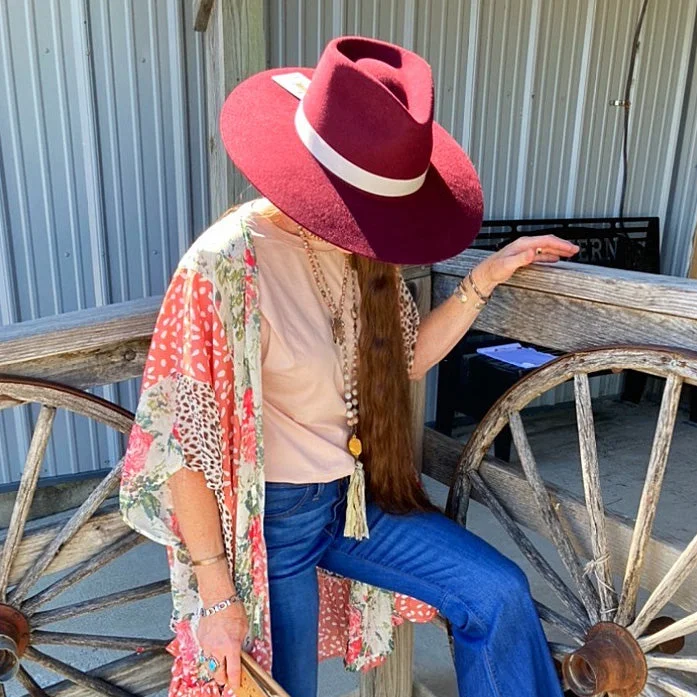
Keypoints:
pixel 207 666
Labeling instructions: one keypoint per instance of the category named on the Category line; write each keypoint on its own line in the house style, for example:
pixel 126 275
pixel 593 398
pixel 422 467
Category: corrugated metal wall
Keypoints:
pixel 525 85
pixel 103 174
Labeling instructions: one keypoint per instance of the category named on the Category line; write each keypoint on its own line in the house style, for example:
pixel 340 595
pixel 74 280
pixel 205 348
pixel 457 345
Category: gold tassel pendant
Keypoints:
pixel 356 516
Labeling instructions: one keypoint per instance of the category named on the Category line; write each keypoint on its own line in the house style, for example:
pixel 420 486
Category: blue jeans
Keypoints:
pixel 499 646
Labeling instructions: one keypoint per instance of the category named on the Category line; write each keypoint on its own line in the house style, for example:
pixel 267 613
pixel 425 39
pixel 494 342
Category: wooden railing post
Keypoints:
pixel 395 677
pixel 235 49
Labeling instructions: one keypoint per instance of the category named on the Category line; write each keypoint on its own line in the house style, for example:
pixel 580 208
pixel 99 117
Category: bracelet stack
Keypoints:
pixel 463 293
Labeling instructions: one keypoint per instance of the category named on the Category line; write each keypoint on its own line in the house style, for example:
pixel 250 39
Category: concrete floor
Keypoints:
pixel 624 440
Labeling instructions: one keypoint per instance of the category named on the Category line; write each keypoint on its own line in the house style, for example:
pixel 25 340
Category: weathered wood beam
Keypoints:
pixel 202 14
pixel 235 49
pixel 575 306
pixel 441 456
pixel 87 347
pixel 97 533
pixel 632 290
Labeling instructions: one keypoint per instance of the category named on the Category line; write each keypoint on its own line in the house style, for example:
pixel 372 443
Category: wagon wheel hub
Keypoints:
pixel 611 660
pixel 14 639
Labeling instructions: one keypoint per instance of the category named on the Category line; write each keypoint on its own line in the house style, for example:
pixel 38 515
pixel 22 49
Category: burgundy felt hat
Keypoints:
pixel 350 151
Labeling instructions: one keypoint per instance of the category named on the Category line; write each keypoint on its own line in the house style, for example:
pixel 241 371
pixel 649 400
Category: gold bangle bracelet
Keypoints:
pixel 209 560
pixel 480 295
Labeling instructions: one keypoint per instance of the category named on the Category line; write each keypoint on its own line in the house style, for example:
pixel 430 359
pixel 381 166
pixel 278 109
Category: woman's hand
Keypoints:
pixel 221 635
pixel 501 265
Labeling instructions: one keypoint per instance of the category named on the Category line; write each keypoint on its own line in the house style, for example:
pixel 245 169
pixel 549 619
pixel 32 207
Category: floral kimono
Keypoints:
pixel 201 407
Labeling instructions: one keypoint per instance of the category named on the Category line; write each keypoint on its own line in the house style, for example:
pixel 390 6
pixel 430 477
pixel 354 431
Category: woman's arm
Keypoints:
pixel 442 328
pixel 220 635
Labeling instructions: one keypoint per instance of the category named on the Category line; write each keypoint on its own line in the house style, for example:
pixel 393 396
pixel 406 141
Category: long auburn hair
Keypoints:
pixel 383 389
pixel 384 393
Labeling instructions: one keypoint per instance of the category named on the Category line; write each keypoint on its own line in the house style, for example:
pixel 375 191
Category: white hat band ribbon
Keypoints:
pixel 347 171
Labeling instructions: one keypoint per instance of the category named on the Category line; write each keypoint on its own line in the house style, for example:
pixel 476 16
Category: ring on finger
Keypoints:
pixel 538 251
pixel 207 666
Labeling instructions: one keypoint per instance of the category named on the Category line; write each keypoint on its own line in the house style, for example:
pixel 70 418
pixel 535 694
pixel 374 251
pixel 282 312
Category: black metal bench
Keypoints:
pixel 469 382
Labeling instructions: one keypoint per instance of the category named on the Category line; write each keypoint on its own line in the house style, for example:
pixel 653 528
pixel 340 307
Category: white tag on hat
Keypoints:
pixel 295 83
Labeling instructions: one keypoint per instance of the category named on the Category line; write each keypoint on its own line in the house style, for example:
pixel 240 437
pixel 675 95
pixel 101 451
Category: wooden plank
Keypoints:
pixel 441 456
pixel 524 315
pixel 100 531
pixel 202 14
pixel 394 677
pixel 83 348
pixel 235 49
pixel 630 290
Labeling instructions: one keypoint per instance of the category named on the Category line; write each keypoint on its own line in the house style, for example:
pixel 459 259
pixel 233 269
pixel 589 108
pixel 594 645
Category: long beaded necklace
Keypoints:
pixel 356 521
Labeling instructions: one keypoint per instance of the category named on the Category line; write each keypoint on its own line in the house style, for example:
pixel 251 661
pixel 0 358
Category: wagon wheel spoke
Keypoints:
pixel 681 628
pixel 649 498
pixel 594 499
pixel 83 513
pixel 101 687
pixel 554 618
pixel 98 641
pixel 678 573
pixel 652 691
pixel 82 571
pixel 25 493
pixel 671 685
pixel 559 536
pixel 560 651
pixel 530 552
pixel 686 665
pixel 29 684
pixel 101 603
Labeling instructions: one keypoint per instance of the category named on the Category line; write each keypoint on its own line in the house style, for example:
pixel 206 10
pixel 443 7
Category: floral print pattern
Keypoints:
pixel 200 407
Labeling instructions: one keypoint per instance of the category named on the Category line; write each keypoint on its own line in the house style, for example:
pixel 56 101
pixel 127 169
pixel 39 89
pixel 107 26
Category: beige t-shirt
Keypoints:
pixel 305 429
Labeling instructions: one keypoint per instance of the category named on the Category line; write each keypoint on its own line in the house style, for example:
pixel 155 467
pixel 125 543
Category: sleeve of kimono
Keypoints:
pixel 181 415
pixel 410 321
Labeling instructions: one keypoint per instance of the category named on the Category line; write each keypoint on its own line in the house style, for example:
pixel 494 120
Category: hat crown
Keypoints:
pixel 372 102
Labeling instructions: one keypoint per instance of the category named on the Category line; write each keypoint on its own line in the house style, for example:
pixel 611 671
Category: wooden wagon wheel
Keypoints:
pixel 79 545
pixel 617 650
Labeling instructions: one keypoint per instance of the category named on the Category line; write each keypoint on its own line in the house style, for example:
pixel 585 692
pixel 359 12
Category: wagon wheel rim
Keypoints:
pixel 70 545
pixel 619 649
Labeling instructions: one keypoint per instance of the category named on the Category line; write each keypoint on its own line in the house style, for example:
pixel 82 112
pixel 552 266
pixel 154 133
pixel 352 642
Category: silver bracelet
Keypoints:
pixel 207 611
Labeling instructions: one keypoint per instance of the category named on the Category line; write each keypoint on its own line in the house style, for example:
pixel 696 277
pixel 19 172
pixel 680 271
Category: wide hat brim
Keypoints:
pixel 436 222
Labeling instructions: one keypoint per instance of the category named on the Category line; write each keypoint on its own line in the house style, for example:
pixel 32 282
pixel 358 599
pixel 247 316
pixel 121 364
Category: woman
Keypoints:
pixel 307 534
